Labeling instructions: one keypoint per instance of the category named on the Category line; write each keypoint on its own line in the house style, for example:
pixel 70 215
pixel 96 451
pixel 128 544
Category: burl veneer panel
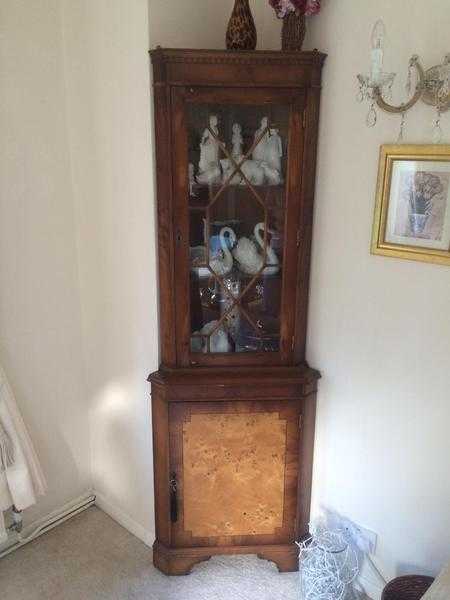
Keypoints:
pixel 234 470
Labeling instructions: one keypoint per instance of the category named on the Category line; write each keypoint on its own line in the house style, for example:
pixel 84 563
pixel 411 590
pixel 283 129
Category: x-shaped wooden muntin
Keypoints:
pixel 235 301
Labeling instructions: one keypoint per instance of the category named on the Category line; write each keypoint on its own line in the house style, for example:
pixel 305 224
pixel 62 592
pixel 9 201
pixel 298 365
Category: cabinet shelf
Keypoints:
pixel 273 196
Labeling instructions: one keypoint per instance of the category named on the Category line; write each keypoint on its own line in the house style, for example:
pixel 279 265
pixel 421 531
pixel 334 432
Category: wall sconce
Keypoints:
pixel 431 86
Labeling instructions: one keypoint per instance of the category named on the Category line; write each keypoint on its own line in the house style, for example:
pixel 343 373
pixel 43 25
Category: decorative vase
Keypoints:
pixel 293 32
pixel 241 32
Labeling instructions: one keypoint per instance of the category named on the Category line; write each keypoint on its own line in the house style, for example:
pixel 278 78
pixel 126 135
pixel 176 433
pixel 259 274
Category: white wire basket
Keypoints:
pixel 328 566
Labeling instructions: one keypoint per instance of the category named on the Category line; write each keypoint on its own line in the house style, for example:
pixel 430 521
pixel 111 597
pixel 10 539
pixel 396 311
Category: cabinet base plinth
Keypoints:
pixel 180 561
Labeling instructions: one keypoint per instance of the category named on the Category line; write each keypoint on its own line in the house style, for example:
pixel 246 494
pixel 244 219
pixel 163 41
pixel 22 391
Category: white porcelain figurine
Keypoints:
pixel 222 265
pixel 227 169
pixel 192 182
pixel 268 153
pixel 250 260
pixel 218 341
pixel 274 150
pixel 254 172
pixel 209 170
pixel 259 152
pixel 271 175
pixel 237 142
pixel 252 169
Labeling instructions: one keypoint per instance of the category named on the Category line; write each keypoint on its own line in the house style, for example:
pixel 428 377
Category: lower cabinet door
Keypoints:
pixel 234 472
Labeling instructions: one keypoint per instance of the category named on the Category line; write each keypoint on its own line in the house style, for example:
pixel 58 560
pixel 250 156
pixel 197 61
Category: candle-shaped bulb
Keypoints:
pixel 376 55
pixel 378 34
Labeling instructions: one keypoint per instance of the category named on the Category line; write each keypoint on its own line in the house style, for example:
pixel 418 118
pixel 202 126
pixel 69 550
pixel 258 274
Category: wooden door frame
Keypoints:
pixel 288 411
pixel 295 100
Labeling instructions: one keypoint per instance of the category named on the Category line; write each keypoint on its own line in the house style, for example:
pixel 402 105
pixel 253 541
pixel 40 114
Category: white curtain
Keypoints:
pixel 24 481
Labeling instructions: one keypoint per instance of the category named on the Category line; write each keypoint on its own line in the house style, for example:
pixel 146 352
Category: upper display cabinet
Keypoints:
pixel 235 146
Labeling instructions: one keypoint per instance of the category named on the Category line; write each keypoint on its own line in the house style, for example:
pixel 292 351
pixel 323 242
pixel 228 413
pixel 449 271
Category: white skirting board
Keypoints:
pixel 69 510
pixel 146 536
pixel 55 518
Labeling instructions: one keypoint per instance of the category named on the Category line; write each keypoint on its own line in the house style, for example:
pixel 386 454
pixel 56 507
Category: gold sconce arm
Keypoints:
pixel 390 108
pixel 432 86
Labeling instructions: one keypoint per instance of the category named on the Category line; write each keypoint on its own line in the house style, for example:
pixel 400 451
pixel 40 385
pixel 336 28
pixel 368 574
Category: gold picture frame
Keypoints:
pixel 412 210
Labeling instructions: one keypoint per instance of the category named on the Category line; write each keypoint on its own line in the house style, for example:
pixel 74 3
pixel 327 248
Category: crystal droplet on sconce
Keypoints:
pixel 437 132
pixel 408 85
pixel 371 118
pixel 401 133
pixel 437 135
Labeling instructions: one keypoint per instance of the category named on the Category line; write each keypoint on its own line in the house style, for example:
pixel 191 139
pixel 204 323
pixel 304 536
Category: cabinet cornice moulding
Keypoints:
pixel 175 55
pixel 300 68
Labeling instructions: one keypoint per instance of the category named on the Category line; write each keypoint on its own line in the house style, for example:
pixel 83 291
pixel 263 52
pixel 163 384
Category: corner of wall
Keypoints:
pixel 124 519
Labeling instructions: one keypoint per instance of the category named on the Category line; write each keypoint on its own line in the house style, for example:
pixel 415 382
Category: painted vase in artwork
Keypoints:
pixel 241 32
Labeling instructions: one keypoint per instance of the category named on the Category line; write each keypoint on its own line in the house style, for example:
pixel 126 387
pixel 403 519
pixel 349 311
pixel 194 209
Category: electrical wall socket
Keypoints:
pixel 365 539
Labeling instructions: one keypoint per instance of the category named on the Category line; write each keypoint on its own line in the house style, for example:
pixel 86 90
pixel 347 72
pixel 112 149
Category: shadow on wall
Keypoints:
pixel 116 411
pixel 412 569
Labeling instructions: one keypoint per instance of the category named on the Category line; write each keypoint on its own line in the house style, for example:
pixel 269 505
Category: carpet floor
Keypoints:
pixel 91 557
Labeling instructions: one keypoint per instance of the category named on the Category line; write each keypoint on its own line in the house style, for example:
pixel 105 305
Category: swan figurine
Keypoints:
pixel 272 262
pixel 222 265
pixel 250 260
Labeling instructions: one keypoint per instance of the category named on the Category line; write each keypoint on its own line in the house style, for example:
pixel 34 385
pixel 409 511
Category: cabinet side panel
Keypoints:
pixel 306 217
pixel 306 464
pixel 160 420
pixel 165 215
pixel 293 189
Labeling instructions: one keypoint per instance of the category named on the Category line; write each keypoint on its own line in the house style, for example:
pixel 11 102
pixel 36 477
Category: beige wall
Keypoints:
pixel 203 23
pixel 111 148
pixel 379 327
pixel 40 320
pixel 109 107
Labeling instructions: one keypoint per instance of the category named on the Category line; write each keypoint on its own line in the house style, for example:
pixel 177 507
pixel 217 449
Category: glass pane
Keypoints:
pixel 237 169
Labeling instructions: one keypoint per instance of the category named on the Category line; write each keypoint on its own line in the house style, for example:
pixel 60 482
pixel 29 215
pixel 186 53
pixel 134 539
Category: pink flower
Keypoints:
pixel 312 7
pixel 306 7
pixel 283 7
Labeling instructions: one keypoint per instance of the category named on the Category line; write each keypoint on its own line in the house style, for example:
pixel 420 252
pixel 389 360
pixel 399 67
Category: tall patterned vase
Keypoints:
pixel 293 32
pixel 241 32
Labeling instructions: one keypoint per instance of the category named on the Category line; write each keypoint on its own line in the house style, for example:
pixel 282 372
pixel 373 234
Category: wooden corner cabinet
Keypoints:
pixel 234 400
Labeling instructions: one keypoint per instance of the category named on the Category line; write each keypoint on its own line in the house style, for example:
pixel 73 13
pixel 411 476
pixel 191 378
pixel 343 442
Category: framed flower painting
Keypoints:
pixel 412 212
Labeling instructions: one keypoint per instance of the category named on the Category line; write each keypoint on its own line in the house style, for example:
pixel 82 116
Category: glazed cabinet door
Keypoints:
pixel 233 472
pixel 237 164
